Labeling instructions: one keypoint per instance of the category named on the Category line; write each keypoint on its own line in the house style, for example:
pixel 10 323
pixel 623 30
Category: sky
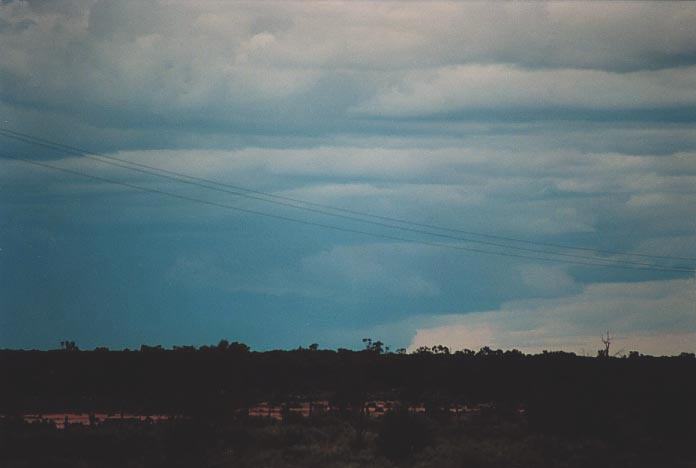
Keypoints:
pixel 556 123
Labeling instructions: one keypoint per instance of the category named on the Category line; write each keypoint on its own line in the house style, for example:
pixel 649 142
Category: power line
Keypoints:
pixel 353 218
pixel 83 152
pixel 338 228
pixel 216 186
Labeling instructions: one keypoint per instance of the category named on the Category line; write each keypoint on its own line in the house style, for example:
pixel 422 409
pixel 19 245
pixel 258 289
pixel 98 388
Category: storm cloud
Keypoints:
pixel 568 123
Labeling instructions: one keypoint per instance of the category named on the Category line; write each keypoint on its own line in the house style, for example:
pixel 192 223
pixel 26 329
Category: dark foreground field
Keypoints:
pixel 548 410
pixel 491 440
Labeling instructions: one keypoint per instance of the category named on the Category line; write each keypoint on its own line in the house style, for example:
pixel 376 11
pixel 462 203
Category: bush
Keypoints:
pixel 401 435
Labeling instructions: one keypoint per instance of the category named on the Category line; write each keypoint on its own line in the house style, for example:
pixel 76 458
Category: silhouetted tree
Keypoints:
pixel 238 347
pixel 223 345
pixel 606 340
pixel 373 346
pixel 69 346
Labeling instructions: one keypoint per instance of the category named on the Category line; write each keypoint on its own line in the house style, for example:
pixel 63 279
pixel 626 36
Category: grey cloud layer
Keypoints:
pixel 259 67
pixel 475 87
pixel 523 191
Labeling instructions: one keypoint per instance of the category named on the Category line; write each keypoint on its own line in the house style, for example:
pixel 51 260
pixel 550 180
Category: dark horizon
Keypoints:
pixel 229 406
pixel 223 344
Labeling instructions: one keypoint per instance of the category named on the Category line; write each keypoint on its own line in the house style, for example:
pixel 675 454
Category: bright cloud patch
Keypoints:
pixel 655 317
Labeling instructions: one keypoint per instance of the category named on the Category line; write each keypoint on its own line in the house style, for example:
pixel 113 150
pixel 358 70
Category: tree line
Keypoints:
pixel 631 396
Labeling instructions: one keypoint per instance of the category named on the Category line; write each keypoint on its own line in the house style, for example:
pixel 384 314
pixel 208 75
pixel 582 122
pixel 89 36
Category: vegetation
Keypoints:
pixel 550 409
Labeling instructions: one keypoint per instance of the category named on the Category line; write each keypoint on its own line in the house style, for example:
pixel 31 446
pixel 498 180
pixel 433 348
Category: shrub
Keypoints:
pixel 401 435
